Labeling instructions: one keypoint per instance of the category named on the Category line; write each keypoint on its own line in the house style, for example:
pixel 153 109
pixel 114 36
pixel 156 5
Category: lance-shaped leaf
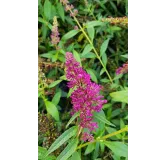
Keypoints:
pixel 118 148
pixel 62 139
pixel 103 119
pixel 73 118
pixel 69 150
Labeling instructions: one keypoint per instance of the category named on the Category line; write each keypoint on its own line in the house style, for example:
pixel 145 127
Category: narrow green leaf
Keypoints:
pixel 120 96
pixel 96 152
pixel 104 59
pixel 77 56
pixel 118 76
pixel 56 98
pixel 91 32
pixel 72 118
pixel 52 110
pixel 89 55
pixel 75 156
pixel 61 11
pixel 103 119
pixel 62 139
pixel 69 150
pixel 93 24
pixel 70 92
pixel 53 84
pixel 118 148
pixel 44 30
pixel 90 148
pixel 115 28
pixel 102 147
pixel 47 9
pixel 102 71
pixel 49 54
pixel 45 22
pixel 125 56
pixel 93 76
pixel 69 35
pixel 105 80
pixel 104 46
pixel 86 50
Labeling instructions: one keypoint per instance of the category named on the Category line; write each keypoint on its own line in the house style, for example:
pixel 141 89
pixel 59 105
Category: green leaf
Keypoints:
pixel 62 139
pixel 93 24
pixel 104 46
pixel 75 156
pixel 86 50
pixel 56 98
pixel 104 59
pixel 96 152
pixel 52 110
pixel 103 119
pixel 45 22
pixel 105 80
pixel 44 31
pixel 102 71
pixel 91 32
pixel 89 55
pixel 120 96
pixel 53 84
pixel 69 35
pixel 108 105
pixel 115 28
pixel 118 76
pixel 77 56
pixel 72 118
pixel 69 150
pixel 102 147
pixel 41 152
pixel 61 11
pixel 125 56
pixel 90 148
pixel 49 54
pixel 118 148
pixel 47 9
pixel 93 76
pixel 70 92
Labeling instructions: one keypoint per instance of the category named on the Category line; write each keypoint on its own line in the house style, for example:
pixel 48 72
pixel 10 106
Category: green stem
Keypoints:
pixel 93 48
pixel 104 137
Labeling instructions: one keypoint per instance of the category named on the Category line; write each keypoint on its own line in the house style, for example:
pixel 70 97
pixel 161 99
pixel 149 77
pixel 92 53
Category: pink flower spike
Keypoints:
pixel 86 97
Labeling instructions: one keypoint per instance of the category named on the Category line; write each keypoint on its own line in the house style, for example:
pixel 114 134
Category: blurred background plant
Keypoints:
pixel 106 24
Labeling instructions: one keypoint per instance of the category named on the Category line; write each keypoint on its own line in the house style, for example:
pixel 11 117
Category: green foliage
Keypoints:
pixel 118 148
pixel 72 118
pixel 62 139
pixel 41 152
pixel 69 150
pixel 102 118
pixel 120 96
pixel 52 110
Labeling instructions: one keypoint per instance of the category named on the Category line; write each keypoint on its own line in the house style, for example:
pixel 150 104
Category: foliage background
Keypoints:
pixel 51 62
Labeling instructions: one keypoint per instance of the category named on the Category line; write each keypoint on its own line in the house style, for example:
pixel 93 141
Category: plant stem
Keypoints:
pixel 104 137
pixel 93 48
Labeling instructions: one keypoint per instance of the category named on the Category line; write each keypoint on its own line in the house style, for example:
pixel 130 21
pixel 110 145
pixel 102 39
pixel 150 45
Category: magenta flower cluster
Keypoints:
pixel 123 69
pixel 86 97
